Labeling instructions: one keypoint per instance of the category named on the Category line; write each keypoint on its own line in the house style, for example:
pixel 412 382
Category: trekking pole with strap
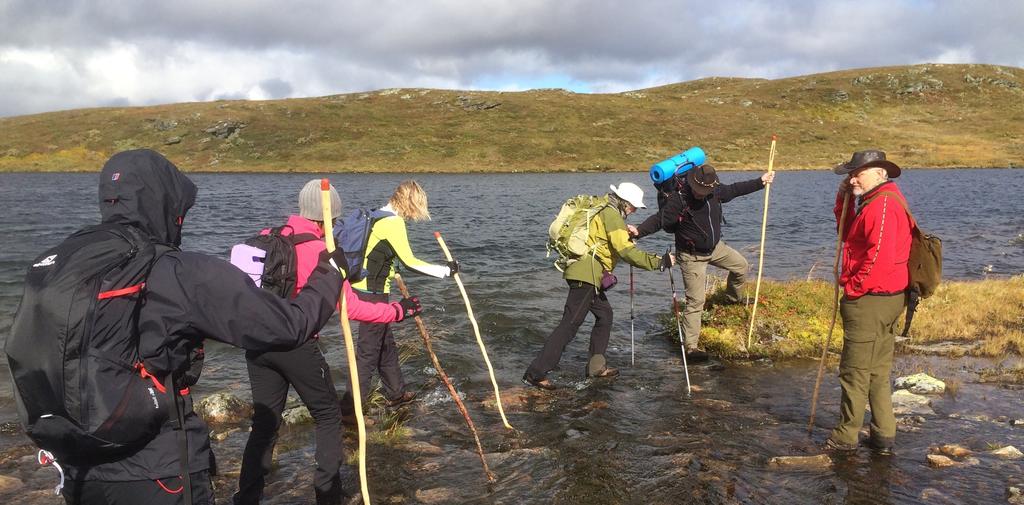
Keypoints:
pixel 679 325
pixel 760 256
pixel 476 330
pixel 447 382
pixel 632 347
pixel 835 313
pixel 350 350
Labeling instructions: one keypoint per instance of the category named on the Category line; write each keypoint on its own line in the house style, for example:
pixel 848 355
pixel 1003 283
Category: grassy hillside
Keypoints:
pixel 923 115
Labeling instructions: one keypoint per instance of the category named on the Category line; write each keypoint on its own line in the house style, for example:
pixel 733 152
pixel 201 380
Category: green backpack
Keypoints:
pixel 924 264
pixel 569 233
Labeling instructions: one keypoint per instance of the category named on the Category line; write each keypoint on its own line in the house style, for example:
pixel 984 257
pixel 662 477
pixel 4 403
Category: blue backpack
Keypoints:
pixel 352 233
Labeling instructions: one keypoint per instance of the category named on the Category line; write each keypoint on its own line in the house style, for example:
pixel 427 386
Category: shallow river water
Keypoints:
pixel 637 438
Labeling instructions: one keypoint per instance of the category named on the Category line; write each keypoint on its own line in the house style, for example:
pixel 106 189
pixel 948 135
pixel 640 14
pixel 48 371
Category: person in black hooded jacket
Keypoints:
pixel 690 207
pixel 188 297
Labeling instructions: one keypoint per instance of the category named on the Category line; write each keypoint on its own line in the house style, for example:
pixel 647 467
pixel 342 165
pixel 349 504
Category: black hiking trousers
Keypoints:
pixel 271 374
pixel 582 298
pixel 376 352
pixel 150 492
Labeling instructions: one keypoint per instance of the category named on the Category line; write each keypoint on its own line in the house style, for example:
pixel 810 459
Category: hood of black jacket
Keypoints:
pixel 143 189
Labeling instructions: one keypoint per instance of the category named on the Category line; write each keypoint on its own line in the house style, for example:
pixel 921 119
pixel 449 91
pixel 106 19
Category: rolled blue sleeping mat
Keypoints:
pixel 680 163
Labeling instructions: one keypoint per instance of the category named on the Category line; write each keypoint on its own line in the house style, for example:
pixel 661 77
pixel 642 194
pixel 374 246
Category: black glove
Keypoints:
pixel 338 257
pixel 666 261
pixel 454 266
pixel 408 307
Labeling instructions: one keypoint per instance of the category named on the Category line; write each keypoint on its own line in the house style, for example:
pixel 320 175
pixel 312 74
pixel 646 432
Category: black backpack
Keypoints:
pixel 80 387
pixel 279 266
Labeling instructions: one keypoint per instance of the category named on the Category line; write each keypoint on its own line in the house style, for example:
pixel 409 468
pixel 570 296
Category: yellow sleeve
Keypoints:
pixel 392 229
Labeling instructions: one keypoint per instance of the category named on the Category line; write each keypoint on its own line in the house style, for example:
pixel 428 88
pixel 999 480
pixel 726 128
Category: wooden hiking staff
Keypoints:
pixel 760 256
pixel 447 382
pixel 476 330
pixel 350 350
pixel 835 312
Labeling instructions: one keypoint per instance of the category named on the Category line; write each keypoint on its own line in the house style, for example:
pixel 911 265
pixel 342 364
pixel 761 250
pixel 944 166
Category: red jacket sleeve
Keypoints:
pixel 369 312
pixel 880 225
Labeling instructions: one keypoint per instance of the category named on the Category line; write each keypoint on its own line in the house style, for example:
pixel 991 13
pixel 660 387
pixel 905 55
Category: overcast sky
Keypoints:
pixel 62 54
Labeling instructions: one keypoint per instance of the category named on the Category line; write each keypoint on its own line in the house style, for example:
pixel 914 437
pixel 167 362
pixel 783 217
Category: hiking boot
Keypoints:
pixel 881 446
pixel 406 397
pixel 606 373
pixel 696 356
pixel 542 383
pixel 837 447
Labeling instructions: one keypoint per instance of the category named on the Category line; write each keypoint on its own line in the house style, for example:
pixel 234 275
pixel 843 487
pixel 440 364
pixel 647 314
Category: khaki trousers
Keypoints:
pixel 695 268
pixel 869 324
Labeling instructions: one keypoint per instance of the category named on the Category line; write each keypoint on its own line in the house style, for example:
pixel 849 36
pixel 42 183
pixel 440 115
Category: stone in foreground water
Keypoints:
pixel 906 403
pixel 804 462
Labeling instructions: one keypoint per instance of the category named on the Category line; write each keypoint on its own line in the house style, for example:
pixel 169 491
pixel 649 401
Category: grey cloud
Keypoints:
pixel 608 45
pixel 276 88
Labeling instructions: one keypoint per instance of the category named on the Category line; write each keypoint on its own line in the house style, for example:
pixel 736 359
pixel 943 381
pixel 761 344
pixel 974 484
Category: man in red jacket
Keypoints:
pixel 876 245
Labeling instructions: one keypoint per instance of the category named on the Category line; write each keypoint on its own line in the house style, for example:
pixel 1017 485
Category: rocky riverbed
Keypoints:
pixel 740 438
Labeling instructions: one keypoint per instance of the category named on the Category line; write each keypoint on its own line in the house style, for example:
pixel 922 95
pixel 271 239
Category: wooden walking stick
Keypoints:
pixel 679 327
pixel 760 256
pixel 476 330
pixel 447 382
pixel 350 350
pixel 835 312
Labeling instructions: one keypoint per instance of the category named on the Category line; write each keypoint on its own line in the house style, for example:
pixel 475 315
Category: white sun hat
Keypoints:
pixel 631 193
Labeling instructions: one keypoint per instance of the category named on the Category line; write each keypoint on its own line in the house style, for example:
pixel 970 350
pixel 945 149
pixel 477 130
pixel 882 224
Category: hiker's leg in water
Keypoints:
pixel 577 304
pixel 601 333
pixel 311 378
pixel 269 393
pixel 390 369
pixel 694 274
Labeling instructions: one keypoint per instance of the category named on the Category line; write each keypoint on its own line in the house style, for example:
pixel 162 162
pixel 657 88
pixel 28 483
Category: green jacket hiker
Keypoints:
pixel 589 278
pixel 609 235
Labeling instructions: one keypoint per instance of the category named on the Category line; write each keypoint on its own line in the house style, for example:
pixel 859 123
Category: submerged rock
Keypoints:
pixel 920 383
pixel 1008 452
pixel 952 450
pixel 9 484
pixel 804 462
pixel 436 495
pixel 940 461
pixel 906 403
pixel 1014 495
pixel 224 408
pixel 512 399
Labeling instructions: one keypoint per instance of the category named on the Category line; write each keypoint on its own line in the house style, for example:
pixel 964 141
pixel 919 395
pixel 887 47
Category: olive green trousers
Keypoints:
pixel 869 324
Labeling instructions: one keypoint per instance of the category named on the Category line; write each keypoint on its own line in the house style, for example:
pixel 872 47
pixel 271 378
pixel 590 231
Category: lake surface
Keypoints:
pixel 635 439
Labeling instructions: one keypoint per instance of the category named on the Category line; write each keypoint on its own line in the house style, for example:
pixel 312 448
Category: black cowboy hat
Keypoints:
pixel 702 180
pixel 868 159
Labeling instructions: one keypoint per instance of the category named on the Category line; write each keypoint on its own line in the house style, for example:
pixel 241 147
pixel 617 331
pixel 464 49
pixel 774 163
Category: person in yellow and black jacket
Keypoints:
pixel 589 278
pixel 388 242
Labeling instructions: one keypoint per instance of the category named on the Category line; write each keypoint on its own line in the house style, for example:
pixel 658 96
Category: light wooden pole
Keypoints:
pixel 835 313
pixel 350 350
pixel 476 330
pixel 760 256
pixel 447 382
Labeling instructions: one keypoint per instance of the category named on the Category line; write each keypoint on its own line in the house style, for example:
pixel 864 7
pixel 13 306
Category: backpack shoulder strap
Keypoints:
pixel 302 238
pixel 899 199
